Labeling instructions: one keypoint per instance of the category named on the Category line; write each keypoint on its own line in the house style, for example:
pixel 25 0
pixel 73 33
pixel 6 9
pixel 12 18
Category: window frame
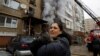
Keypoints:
pixel 7 2
pixel 3 22
pixel 11 23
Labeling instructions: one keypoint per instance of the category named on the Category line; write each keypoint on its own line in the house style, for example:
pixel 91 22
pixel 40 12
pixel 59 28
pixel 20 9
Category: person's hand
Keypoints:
pixel 87 40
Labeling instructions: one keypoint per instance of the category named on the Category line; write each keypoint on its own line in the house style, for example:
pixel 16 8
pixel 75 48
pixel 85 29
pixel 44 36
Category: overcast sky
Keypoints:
pixel 94 5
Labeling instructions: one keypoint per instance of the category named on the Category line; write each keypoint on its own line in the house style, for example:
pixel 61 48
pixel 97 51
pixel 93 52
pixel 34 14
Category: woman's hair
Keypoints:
pixel 64 34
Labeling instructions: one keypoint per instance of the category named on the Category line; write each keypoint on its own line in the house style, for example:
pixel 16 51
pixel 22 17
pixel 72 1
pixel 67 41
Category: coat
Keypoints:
pixel 58 47
pixel 96 44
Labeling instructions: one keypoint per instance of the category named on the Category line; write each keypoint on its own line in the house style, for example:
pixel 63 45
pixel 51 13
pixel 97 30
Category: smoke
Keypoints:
pixel 54 9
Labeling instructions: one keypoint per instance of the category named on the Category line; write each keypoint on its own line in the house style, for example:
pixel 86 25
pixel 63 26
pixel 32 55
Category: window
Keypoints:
pixel 69 7
pixel 67 24
pixel 6 2
pixel 14 5
pixel 8 22
pixel 11 3
pixel 14 23
pixel 2 20
pixel 68 15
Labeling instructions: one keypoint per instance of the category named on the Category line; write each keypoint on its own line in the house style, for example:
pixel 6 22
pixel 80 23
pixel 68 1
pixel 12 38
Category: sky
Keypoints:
pixel 94 5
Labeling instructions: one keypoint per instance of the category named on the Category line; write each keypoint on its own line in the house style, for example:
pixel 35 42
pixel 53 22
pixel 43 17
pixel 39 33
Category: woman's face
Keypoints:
pixel 54 30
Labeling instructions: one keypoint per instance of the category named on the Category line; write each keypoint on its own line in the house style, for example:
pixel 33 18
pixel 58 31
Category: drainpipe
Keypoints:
pixel 29 33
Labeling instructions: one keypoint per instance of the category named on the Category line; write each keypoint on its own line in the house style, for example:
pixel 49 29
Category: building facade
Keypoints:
pixel 90 24
pixel 78 18
pixel 67 11
pixel 70 14
pixel 23 17
pixel 78 24
pixel 15 18
pixel 59 10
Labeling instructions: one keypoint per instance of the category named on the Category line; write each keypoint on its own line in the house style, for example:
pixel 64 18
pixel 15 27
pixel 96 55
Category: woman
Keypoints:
pixel 56 45
pixel 89 40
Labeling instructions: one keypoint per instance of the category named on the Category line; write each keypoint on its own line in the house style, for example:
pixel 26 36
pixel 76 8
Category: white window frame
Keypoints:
pixel 7 23
pixel 11 25
pixel 69 24
pixel 14 25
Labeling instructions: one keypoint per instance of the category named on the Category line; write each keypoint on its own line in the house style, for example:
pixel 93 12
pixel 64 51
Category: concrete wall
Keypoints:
pixel 15 13
pixel 37 8
pixel 89 25
pixel 19 14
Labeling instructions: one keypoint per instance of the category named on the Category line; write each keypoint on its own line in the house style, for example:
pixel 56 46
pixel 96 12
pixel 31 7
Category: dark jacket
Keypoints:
pixel 59 47
pixel 96 44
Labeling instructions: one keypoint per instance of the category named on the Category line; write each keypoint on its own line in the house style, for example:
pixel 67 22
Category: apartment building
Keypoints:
pixel 90 24
pixel 78 18
pixel 59 10
pixel 19 17
pixel 78 24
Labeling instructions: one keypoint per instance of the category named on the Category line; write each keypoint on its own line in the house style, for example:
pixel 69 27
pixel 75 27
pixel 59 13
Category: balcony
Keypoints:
pixel 11 4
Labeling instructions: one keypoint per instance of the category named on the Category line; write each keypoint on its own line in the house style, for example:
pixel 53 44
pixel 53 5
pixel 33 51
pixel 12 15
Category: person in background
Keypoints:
pixel 96 44
pixel 89 40
pixel 57 43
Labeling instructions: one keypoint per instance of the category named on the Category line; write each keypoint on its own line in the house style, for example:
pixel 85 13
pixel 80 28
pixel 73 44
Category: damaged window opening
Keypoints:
pixel 33 2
